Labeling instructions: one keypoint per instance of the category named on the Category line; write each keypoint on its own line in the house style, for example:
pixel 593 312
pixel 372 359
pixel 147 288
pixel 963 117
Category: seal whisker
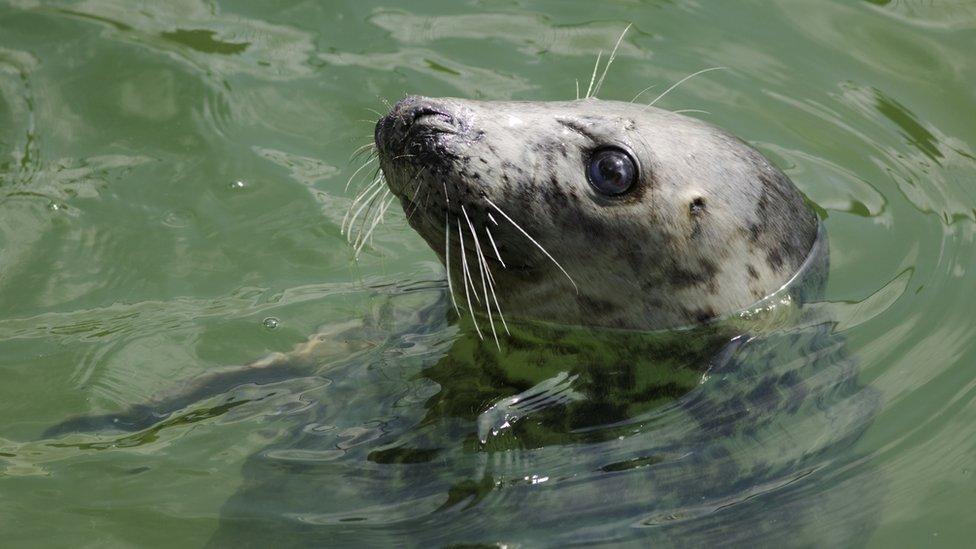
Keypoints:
pixel 367 205
pixel 378 170
pixel 532 240
pixel 361 168
pixel 356 154
pixel 492 240
pixel 642 92
pixel 613 55
pixel 479 255
pixel 679 82
pixel 413 197
pixel 377 219
pixel 447 261
pixel 485 284
pixel 593 77
pixel 375 111
pixel 492 219
pixel 466 278
pixel 370 145
pixel 377 180
pixel 366 228
pixel 368 218
pixel 374 187
pixel 419 204
pixel 491 286
pixel 370 157
pixel 416 189
pixel 426 197
pixel 679 111
pixel 577 89
pixel 464 262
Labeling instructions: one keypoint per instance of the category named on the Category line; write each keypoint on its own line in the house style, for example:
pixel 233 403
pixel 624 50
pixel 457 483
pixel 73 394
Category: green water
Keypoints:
pixel 172 175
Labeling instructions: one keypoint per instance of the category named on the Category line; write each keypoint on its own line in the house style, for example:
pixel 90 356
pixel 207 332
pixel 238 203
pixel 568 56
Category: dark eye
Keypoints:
pixel 611 171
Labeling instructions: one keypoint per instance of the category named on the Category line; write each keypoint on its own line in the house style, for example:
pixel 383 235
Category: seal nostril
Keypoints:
pixel 415 110
pixel 427 111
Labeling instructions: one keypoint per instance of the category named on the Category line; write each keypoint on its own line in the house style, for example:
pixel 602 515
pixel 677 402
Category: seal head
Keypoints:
pixel 592 212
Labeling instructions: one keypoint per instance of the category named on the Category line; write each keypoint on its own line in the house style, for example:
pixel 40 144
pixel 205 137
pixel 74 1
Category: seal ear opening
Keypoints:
pixel 697 206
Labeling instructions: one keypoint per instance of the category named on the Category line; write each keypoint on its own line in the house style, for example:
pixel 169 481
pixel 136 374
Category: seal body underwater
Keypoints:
pixel 621 352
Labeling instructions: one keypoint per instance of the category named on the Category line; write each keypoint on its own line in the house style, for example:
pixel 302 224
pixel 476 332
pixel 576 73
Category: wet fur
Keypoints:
pixel 710 228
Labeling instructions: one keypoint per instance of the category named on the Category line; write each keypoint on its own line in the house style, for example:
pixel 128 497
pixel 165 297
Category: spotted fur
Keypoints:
pixel 710 227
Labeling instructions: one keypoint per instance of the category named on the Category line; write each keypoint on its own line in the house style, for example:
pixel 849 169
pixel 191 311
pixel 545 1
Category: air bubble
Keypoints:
pixel 270 323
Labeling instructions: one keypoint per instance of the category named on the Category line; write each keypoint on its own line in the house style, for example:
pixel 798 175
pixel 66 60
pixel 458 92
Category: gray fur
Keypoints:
pixel 710 228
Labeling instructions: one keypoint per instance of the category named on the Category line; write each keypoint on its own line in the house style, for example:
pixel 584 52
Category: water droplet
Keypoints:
pixel 56 206
pixel 236 185
pixel 270 323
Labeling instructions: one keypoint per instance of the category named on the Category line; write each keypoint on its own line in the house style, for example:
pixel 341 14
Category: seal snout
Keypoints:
pixel 415 116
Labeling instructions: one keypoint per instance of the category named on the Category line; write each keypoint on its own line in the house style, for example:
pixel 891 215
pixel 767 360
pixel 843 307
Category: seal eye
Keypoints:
pixel 611 171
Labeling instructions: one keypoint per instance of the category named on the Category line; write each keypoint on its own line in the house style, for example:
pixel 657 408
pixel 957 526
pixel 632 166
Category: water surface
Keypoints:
pixel 172 174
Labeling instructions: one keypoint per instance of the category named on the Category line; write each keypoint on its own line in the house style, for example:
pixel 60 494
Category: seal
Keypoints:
pixel 595 227
pixel 592 212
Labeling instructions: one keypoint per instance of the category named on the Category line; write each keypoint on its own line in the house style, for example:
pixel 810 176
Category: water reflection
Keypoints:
pixel 643 449
pixel 681 427
pixel 220 45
